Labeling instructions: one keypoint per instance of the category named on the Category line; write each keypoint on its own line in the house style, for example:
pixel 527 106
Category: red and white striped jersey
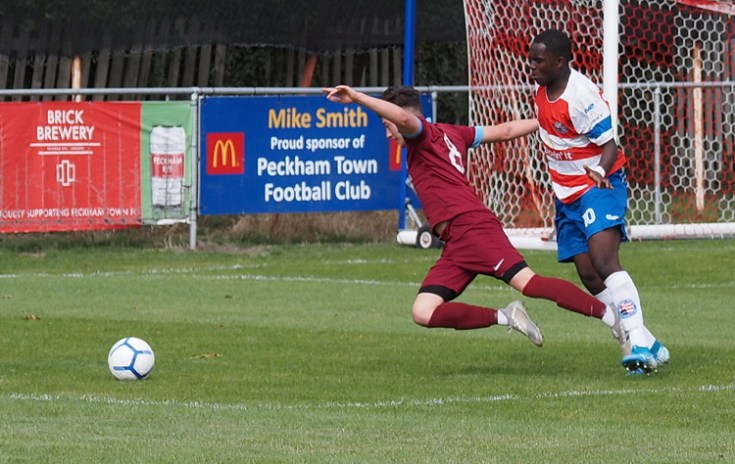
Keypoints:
pixel 573 128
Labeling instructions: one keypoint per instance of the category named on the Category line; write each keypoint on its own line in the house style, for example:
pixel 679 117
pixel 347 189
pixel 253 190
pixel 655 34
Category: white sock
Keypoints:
pixel 628 304
pixel 650 339
pixel 606 297
pixel 502 320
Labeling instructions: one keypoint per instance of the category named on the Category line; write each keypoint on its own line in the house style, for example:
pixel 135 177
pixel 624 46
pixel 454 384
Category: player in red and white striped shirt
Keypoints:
pixel 586 169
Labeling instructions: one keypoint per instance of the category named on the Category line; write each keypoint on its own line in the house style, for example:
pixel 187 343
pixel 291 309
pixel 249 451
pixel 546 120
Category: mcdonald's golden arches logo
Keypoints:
pixel 225 153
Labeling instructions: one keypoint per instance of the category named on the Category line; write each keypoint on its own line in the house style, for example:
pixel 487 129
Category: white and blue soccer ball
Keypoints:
pixel 131 359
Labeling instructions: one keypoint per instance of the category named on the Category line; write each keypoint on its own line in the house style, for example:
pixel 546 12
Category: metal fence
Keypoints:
pixel 680 139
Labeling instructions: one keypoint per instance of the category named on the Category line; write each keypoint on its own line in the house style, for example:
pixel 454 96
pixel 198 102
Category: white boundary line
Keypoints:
pixel 261 277
pixel 404 403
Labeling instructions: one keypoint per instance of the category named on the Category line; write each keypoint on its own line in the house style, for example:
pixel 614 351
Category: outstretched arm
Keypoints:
pixel 406 122
pixel 609 155
pixel 509 130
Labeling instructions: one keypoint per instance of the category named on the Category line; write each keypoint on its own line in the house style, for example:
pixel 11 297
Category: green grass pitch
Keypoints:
pixel 307 354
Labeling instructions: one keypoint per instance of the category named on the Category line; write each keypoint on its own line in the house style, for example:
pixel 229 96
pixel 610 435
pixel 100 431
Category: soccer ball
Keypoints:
pixel 131 359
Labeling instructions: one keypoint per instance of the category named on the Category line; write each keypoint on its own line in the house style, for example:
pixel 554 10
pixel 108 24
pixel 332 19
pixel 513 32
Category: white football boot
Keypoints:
pixel 519 320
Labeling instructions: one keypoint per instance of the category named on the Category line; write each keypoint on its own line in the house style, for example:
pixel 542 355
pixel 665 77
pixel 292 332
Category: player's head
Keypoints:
pixel 550 54
pixel 556 43
pixel 406 97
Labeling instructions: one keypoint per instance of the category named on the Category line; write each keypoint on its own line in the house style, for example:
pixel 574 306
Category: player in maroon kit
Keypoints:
pixel 475 242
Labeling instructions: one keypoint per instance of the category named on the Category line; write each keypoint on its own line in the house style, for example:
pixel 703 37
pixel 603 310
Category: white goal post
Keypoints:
pixel 674 62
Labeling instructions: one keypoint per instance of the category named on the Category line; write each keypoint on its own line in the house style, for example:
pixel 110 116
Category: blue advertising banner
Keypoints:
pixel 289 154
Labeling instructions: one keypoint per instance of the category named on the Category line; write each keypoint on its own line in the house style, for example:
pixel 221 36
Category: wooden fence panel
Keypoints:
pixel 63 75
pixel 146 58
pixel 114 80
pixel 133 63
pixel 39 65
pixel 174 65
pixel 220 61
pixel 20 62
pixel 205 57
pixel 52 62
pixel 145 65
pixel 159 61
pixel 6 36
pixel 102 66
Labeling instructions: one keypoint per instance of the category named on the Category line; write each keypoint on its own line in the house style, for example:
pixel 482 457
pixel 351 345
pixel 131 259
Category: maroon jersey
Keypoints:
pixel 437 164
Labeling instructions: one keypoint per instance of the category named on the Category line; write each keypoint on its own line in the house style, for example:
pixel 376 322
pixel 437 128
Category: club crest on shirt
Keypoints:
pixel 560 128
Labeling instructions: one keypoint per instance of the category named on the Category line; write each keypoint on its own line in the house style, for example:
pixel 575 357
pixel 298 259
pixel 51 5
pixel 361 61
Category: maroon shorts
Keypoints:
pixel 475 243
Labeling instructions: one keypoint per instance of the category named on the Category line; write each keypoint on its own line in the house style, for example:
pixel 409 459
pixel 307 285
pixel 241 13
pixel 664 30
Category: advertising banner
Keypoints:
pixel 80 166
pixel 294 154
pixel 165 148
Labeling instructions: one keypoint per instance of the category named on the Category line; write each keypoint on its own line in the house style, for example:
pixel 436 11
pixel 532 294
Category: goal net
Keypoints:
pixel 675 109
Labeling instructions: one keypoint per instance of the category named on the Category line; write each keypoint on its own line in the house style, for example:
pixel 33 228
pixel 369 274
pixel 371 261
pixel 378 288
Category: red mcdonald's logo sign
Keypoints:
pixel 225 153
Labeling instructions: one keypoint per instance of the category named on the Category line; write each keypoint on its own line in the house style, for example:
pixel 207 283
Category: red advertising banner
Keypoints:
pixel 69 166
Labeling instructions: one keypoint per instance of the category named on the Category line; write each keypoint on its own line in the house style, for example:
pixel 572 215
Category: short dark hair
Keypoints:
pixel 403 96
pixel 556 42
